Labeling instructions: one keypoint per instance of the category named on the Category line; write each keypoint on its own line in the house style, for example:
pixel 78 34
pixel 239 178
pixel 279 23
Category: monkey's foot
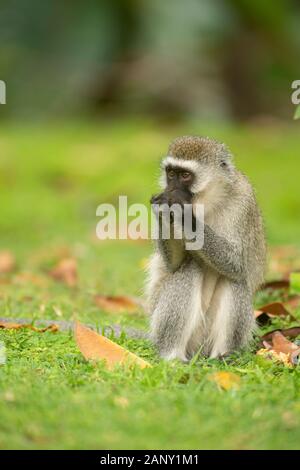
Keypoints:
pixel 170 356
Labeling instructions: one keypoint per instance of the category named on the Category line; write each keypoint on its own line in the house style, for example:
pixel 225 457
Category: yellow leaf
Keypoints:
pixel 94 346
pixel 225 380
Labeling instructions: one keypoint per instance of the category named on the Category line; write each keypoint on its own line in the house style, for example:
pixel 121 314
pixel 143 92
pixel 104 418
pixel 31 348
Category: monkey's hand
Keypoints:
pixel 159 199
pixel 175 196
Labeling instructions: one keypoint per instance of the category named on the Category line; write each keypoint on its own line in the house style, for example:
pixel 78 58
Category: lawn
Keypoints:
pixel 52 178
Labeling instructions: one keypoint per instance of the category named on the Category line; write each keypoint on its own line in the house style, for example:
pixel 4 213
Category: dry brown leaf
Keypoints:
pixel 281 349
pixel 278 284
pixel 17 326
pixel 117 304
pixel 7 262
pixel 287 332
pixel 66 271
pixel 94 346
pixel 225 380
pixel 274 309
pixel 282 344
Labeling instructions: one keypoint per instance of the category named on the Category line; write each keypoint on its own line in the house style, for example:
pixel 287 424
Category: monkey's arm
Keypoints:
pixel 223 256
pixel 172 250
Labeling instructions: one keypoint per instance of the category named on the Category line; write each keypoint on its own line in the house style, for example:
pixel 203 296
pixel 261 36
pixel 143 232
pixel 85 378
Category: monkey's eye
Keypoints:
pixel 186 175
pixel 171 174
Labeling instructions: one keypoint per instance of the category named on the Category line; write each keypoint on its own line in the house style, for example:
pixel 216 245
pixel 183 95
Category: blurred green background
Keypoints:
pixel 96 90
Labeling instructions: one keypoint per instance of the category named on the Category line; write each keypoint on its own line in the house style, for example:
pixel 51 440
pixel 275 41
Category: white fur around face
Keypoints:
pixel 200 183
pixel 188 165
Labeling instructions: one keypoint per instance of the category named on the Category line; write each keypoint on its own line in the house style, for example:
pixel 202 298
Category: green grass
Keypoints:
pixel 52 178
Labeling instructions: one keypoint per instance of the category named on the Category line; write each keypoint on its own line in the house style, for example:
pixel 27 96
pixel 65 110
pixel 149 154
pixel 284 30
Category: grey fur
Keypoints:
pixel 202 300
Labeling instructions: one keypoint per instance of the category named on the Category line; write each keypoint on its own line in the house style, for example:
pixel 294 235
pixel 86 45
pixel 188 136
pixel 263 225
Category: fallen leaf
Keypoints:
pixel 94 346
pixel 287 332
pixel 275 309
pixel 66 271
pixel 270 354
pixel 281 349
pixel 225 380
pixel 7 262
pixel 278 284
pixel 17 326
pixel 282 344
pixel 117 304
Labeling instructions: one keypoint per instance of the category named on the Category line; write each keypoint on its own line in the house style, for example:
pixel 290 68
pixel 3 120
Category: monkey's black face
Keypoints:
pixel 179 179
pixel 178 189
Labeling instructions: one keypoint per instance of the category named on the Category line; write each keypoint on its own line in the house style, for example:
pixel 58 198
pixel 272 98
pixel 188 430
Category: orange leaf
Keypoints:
pixel 94 346
pixel 281 349
pixel 225 380
pixel 66 271
pixel 116 304
pixel 7 262
pixel 282 344
pixel 17 326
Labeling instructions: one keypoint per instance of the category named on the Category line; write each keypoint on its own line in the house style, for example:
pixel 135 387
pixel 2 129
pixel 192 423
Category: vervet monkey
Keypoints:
pixel 201 300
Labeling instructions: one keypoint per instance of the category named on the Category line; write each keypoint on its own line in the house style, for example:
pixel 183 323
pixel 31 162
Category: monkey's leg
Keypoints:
pixel 177 311
pixel 230 316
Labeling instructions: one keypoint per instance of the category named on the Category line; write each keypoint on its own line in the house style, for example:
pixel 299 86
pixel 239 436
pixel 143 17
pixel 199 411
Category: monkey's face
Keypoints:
pixel 189 176
pixel 201 181
pixel 200 167
pixel 178 178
